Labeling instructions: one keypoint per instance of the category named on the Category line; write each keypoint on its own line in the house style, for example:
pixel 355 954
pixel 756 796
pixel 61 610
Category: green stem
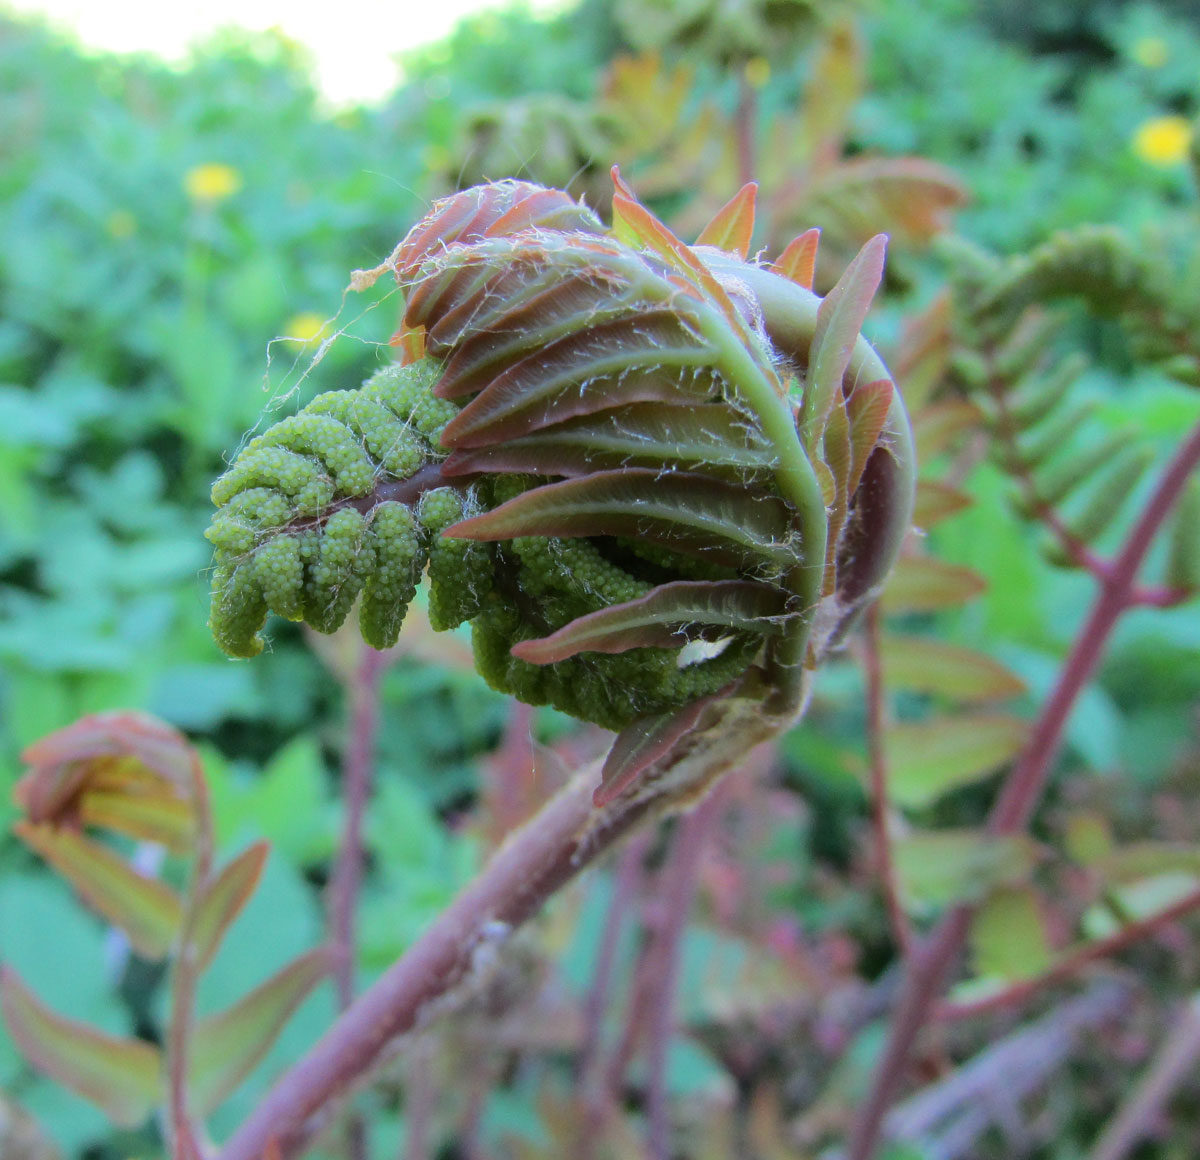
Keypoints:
pixel 797 483
pixel 790 316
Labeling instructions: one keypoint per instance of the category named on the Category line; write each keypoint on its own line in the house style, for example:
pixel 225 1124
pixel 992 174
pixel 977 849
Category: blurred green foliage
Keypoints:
pixel 159 226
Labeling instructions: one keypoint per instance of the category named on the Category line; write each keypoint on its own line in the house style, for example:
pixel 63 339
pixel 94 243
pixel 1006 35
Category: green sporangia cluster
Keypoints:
pixel 306 525
pixel 641 470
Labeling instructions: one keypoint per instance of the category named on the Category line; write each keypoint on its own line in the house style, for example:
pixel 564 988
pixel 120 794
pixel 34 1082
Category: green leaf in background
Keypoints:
pixel 1139 900
pixel 1183 561
pixel 288 803
pixel 47 937
pixel 693 1073
pixel 928 758
pixel 199 696
pixel 1008 934
pixel 121 1076
pixel 925 665
pixel 1087 837
pixel 422 866
pixel 228 1046
pixel 1135 861
pixel 937 868
pixel 1020 588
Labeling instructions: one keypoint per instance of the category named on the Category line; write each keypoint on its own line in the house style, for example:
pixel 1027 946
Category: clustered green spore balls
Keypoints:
pixel 344 561
pixel 460 571
pixel 301 478
pixel 279 571
pixel 408 392
pixel 295 534
pixel 299 534
pixel 400 554
pixel 595 581
pixel 238 611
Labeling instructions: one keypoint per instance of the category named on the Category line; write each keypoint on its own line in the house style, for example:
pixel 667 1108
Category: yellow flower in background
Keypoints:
pixel 212 182
pixel 1150 51
pixel 758 72
pixel 121 224
pixel 1163 140
pixel 305 328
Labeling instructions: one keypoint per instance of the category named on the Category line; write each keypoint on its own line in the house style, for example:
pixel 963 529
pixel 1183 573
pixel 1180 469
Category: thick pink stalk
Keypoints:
pixel 678 895
pixel 531 866
pixel 1019 796
pixel 184 1132
pixel 564 837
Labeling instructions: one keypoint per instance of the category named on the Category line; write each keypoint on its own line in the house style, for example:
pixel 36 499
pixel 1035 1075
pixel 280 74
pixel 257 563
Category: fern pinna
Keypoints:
pixel 653 477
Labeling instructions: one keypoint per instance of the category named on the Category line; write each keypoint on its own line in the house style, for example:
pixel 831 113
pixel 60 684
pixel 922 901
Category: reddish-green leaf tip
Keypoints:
pixel 733 225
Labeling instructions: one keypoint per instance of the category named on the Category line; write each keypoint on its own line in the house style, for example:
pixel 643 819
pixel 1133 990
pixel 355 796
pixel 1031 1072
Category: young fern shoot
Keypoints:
pixel 658 480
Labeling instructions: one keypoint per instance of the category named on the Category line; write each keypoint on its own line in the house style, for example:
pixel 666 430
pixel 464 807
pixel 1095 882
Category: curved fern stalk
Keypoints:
pixel 657 479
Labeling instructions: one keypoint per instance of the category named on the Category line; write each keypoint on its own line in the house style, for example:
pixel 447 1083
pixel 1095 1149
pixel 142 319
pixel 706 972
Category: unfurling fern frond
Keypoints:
pixel 1078 484
pixel 646 473
pixel 1150 284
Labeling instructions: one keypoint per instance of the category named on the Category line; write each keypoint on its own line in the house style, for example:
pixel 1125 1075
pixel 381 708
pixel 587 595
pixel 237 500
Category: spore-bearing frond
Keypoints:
pixel 594 451
pixel 299 531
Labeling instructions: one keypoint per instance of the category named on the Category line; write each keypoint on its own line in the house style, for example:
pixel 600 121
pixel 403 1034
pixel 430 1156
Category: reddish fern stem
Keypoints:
pixel 534 863
pixel 873 672
pixel 1072 962
pixel 185 975
pixel 1024 785
pixel 1019 795
pixel 594 1094
pixel 678 895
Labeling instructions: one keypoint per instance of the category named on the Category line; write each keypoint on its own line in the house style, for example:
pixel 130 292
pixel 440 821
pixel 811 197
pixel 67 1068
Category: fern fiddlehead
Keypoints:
pixel 649 475
pixel 1077 486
